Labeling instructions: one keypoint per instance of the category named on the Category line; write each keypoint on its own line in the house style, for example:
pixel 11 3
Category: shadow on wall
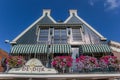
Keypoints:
pixel 3 54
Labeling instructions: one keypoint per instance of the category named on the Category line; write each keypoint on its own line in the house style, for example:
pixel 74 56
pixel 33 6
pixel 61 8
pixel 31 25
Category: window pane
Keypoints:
pixel 76 35
pixel 43 35
pixel 63 34
pixel 60 36
pixel 56 34
pixel 43 32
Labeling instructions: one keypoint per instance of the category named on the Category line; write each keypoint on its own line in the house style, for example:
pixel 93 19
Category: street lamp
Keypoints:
pixel 7 41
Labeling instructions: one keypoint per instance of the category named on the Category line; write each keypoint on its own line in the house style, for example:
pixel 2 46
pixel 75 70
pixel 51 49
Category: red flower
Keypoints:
pixel 62 61
pixel 69 64
pixel 14 61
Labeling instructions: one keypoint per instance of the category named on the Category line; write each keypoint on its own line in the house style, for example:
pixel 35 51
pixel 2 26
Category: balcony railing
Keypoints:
pixel 76 69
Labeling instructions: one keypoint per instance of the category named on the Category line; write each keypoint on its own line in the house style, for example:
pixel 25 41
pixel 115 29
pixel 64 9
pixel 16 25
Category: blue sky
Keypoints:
pixel 17 15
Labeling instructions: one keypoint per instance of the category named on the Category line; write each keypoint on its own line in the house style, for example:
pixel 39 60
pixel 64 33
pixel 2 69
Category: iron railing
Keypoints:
pixel 75 69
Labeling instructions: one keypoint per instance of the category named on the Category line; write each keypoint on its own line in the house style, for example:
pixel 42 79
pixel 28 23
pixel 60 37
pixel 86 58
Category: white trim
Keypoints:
pixel 37 29
pixel 75 12
pixel 49 37
pixel 12 42
pixel 32 25
pixel 38 36
pixel 77 33
pixel 115 49
pixel 48 11
pixel 106 75
pixel 115 43
pixel 81 32
pixel 39 39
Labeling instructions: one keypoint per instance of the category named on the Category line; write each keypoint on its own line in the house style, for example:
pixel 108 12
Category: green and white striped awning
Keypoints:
pixel 29 48
pixel 95 48
pixel 60 48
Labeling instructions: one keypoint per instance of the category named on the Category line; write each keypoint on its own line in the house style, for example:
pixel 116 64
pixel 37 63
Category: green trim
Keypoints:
pixel 95 48
pixel 29 48
pixel 60 48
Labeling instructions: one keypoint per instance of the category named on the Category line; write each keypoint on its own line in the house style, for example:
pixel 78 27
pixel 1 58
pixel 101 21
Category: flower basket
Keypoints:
pixel 86 63
pixel 62 63
pixel 15 61
pixel 109 62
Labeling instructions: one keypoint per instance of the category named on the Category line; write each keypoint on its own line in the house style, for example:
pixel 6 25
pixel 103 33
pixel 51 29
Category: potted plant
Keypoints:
pixel 15 61
pixel 109 62
pixel 62 63
pixel 86 63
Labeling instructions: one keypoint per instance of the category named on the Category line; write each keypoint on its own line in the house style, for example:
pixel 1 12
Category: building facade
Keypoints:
pixel 3 55
pixel 47 39
pixel 71 36
pixel 115 46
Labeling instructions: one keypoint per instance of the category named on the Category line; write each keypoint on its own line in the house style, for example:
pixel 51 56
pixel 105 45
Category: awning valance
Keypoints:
pixel 60 48
pixel 95 48
pixel 30 48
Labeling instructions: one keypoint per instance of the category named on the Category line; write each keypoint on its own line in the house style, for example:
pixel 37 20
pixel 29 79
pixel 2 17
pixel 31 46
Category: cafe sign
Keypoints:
pixel 33 66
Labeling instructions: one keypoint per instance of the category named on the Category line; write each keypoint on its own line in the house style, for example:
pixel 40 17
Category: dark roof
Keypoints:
pixel 30 36
pixel 46 20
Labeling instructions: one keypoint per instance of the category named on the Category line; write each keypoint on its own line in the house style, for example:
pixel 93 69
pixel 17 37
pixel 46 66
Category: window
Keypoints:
pixel 76 34
pixel 43 35
pixel 60 36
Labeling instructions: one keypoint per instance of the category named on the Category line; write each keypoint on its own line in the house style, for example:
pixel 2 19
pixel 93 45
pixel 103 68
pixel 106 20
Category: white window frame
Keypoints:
pixel 72 35
pixel 38 36
pixel 51 36
pixel 60 34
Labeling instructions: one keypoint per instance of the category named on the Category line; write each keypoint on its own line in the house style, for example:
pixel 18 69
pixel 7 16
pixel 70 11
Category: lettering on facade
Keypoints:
pixel 33 68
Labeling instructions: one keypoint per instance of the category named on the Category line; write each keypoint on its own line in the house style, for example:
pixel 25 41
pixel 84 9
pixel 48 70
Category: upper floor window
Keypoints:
pixel 60 36
pixel 43 35
pixel 76 34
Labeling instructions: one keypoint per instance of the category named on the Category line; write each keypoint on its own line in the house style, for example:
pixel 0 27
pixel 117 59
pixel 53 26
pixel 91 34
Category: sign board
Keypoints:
pixel 33 66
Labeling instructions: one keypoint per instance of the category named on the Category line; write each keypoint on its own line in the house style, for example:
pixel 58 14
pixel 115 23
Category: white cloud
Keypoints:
pixel 112 4
pixel 108 4
pixel 92 2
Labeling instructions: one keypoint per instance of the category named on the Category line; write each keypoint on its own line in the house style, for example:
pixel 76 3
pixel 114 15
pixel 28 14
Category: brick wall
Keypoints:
pixel 3 54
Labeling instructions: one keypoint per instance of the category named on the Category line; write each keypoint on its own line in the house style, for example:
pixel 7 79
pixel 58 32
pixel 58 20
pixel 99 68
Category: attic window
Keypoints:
pixel 73 14
pixel 46 14
pixel 60 21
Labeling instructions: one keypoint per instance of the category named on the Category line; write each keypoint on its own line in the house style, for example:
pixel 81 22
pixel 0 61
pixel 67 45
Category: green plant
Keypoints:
pixel 15 61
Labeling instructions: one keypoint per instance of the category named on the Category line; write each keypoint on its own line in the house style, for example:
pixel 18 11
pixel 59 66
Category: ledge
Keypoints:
pixel 105 75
